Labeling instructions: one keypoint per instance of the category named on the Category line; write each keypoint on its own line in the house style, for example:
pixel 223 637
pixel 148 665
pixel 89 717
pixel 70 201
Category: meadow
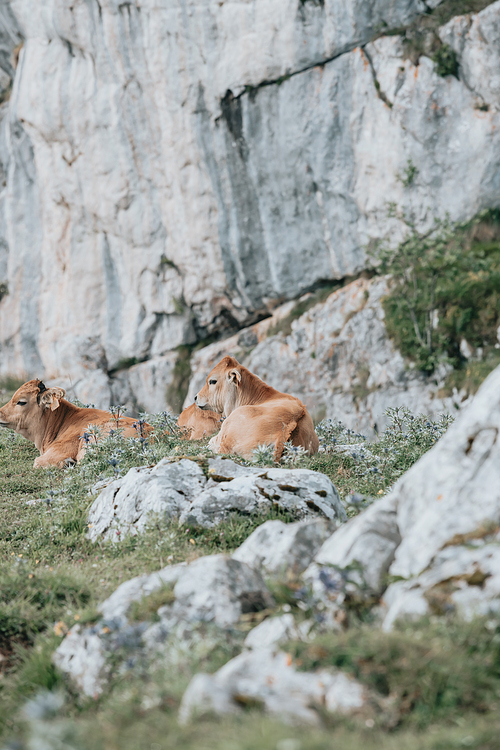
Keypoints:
pixel 438 681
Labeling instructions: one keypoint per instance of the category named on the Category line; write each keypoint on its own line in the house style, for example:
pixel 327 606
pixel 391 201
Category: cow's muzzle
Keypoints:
pixel 200 403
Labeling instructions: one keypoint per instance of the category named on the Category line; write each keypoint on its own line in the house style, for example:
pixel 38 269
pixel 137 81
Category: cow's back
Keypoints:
pixel 200 422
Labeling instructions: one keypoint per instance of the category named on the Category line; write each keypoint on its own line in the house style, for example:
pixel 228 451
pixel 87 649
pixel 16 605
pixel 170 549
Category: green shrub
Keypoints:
pixel 446 61
pixel 446 287
pixel 368 469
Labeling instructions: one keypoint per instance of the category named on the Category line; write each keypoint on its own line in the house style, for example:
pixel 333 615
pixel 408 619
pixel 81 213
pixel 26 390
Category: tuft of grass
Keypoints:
pixel 446 61
pixel 124 364
pixel 31 596
pixel 364 470
pixel 409 173
pixel 147 607
pixel 470 375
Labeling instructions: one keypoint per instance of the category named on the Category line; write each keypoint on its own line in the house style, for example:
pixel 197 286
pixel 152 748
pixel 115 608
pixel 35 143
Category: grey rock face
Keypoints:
pixel 222 469
pixel 463 579
pixel 218 589
pixel 274 630
pixel 268 678
pixel 299 491
pixel 338 359
pixel 276 548
pixel 124 506
pixel 212 591
pixel 117 606
pixel 165 193
pixel 370 540
pixel 180 490
pixel 438 529
pixel 82 656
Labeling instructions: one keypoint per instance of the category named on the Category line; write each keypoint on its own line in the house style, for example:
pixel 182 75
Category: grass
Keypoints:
pixel 446 289
pixel 52 577
pixel 147 607
pixel 434 670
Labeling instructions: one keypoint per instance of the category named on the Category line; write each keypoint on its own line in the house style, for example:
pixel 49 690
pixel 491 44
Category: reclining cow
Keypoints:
pixel 256 414
pixel 56 426
pixel 199 423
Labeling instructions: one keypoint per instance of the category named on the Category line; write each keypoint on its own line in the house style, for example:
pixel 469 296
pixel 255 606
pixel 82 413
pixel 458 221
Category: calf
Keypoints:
pixel 198 422
pixel 56 426
pixel 256 414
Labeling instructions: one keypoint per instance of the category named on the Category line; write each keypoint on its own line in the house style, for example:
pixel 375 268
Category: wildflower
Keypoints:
pixel 60 628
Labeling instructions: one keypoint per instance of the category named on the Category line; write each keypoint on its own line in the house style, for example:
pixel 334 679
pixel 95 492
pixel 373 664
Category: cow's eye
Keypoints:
pixel 22 403
pixel 212 382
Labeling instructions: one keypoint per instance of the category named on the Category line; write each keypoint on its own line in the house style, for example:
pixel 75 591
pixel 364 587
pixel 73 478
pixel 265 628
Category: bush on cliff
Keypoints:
pixel 444 305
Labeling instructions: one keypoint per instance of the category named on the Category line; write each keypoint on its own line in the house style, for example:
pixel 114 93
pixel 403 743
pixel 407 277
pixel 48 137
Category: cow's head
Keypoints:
pixel 27 407
pixel 220 392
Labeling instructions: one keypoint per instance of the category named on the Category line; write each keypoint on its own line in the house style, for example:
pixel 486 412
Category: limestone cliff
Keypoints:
pixel 173 170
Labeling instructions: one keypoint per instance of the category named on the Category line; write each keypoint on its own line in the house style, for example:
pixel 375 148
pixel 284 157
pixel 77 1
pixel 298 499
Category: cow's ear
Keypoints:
pixel 234 376
pixel 51 398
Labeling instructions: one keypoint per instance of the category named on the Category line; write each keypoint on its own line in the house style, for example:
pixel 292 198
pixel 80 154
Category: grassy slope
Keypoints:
pixel 51 577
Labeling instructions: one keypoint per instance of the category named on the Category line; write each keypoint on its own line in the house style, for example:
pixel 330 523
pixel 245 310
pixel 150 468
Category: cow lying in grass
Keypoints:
pixel 256 413
pixel 43 416
pixel 199 423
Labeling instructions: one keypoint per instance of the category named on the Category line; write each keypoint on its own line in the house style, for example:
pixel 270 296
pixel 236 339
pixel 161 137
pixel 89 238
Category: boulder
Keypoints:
pixel 125 505
pixel 275 630
pixel 268 679
pixel 179 490
pixel 300 492
pixel 211 592
pixel 463 579
pixel 437 531
pixel 369 541
pixel 218 589
pixel 279 549
pixel 82 657
pixel 224 470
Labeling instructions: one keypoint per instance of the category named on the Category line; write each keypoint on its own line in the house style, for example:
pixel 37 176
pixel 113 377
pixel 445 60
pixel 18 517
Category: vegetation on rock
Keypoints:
pixel 421 37
pixel 446 291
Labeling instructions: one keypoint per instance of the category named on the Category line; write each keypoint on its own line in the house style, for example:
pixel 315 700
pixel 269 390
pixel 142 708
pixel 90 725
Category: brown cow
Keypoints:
pixel 198 422
pixel 256 413
pixel 56 426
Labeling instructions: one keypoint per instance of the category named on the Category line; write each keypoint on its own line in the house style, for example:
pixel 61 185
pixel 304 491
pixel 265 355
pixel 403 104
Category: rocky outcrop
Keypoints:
pixel 437 533
pixel 174 172
pixel 280 549
pixel 432 546
pixel 211 592
pixel 268 679
pixel 180 491
pixel 336 357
